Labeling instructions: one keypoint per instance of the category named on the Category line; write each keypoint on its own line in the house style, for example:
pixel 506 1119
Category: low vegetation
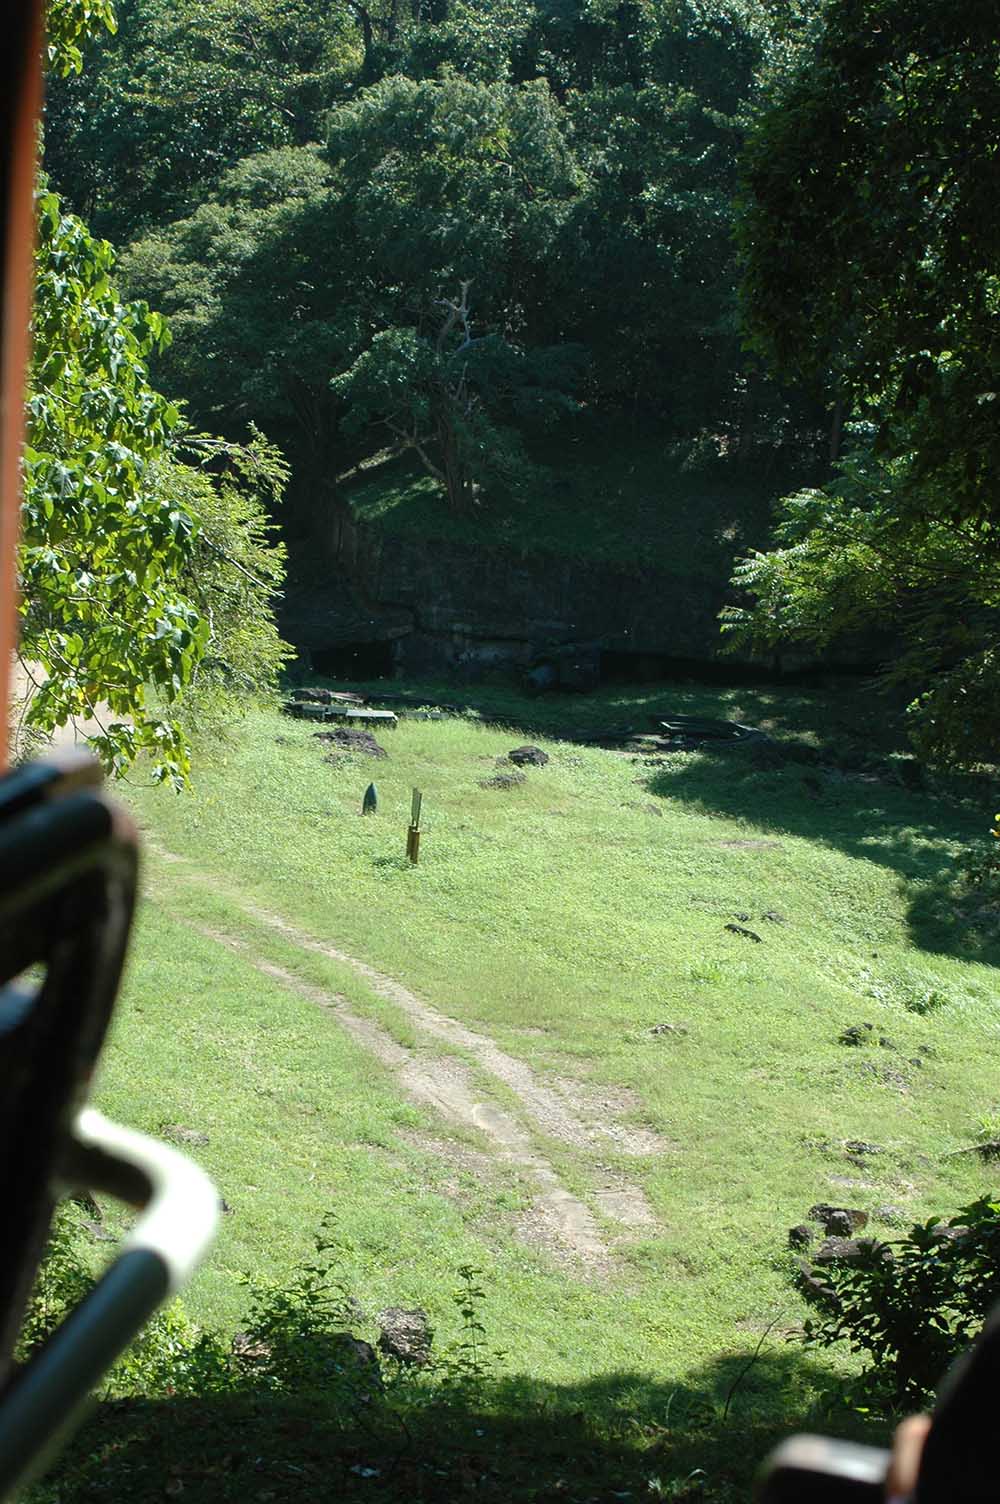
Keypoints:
pixel 542 1054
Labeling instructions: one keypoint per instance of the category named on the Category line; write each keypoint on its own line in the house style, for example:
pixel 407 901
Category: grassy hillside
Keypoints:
pixel 586 1086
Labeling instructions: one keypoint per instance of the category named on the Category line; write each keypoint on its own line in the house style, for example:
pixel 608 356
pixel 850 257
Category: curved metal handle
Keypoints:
pixel 180 1212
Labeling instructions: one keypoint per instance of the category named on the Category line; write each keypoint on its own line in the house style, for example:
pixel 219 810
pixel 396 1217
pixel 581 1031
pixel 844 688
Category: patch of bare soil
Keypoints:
pixel 446 1085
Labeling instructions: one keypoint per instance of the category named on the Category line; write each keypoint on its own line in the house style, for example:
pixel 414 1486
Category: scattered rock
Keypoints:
pixel 348 740
pixel 800 1236
pixel 856 1034
pixel 860 1146
pixel 250 1349
pixel 738 929
pixel 405 1335
pixel 942 1233
pixel 844 1250
pixel 224 1207
pixel 833 1218
pixel 892 1216
pixel 502 781
pixel 742 917
pixel 177 1133
pixel 667 1029
pixel 885 1075
pixel 528 756
pixel 887 1043
pixel 345 1352
pixel 773 916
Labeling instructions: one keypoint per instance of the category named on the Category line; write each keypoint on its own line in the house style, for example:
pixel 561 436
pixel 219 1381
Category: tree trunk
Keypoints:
pixel 836 427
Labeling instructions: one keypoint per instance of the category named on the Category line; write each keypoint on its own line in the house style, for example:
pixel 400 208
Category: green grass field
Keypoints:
pixel 587 1087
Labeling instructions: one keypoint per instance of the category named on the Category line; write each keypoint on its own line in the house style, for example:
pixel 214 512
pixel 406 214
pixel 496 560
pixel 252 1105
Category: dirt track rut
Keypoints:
pixel 446 1084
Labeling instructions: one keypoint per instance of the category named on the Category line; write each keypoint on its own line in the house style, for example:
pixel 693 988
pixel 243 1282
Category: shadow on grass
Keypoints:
pixel 615 1437
pixel 867 814
pixel 847 712
pixel 838 776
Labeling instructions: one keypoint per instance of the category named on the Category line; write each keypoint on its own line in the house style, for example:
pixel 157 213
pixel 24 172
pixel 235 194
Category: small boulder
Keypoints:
pixel 843 1250
pixel 859 1146
pixel 840 1220
pixel 528 756
pixel 346 739
pixel 739 929
pixel 800 1236
pixel 502 781
pixel 855 1034
pixel 405 1336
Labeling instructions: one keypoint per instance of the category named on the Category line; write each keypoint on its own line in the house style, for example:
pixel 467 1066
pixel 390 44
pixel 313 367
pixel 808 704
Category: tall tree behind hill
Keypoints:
pixel 309 266
pixel 281 264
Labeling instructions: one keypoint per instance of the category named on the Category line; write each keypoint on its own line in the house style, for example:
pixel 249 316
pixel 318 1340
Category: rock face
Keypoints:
pixel 405 1336
pixel 528 756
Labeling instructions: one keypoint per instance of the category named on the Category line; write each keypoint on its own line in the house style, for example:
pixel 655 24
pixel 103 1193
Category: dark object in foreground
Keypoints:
pixel 958 1464
pixel 68 871
pixel 369 804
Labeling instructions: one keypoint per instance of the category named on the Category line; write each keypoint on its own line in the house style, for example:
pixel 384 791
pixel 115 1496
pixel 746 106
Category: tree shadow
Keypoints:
pixel 858 803
pixel 611 1437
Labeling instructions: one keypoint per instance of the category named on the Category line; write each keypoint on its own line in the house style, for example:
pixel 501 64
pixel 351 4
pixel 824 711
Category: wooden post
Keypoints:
pixel 413 834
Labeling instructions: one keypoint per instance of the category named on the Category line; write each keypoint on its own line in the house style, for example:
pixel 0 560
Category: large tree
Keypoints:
pixel 312 267
pixel 873 273
pixel 144 564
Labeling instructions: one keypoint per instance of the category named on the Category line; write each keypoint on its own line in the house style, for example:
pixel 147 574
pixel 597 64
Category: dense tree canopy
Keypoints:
pixel 575 165
pixel 873 272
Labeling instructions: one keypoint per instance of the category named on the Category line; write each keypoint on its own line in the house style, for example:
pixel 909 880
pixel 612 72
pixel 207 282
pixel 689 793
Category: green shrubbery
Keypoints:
pixel 910 1306
pixel 299 1336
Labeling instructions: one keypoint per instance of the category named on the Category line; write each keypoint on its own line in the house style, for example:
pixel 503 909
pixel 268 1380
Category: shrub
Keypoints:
pixel 913 1305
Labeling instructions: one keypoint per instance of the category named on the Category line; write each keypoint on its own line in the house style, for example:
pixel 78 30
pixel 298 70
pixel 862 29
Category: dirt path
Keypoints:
pixel 562 1222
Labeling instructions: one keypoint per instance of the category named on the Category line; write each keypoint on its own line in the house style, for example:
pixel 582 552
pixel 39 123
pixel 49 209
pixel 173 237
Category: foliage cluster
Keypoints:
pixel 575 172
pixel 298 1335
pixel 911 1306
pixel 871 273
pixel 147 565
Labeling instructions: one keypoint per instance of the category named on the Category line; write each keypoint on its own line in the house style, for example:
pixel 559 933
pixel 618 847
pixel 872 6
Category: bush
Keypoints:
pixel 912 1306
